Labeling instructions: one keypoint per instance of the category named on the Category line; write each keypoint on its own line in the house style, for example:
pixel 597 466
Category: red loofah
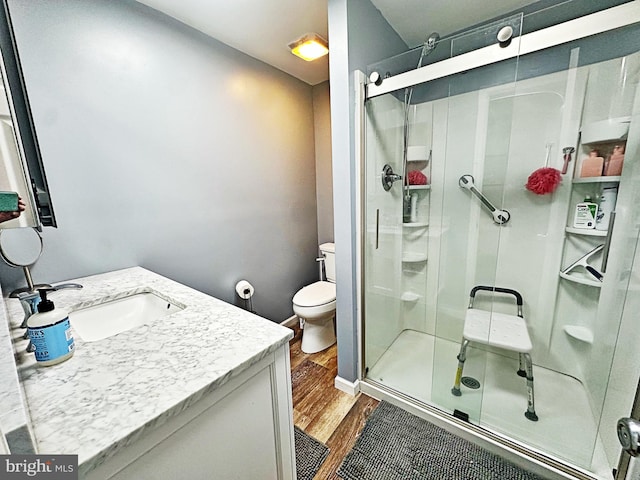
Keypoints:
pixel 416 177
pixel 544 180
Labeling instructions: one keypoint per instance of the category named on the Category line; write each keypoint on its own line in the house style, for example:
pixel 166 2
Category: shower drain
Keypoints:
pixel 470 382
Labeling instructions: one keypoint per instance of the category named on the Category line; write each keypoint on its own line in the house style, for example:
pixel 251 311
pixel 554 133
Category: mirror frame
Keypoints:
pixel 24 127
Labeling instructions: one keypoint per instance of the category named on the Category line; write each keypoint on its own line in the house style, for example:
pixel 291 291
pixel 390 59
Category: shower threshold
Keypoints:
pixel 421 366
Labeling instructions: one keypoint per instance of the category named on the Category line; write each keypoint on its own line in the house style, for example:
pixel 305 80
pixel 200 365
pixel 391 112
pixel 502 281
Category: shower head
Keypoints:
pixel 428 46
pixel 432 41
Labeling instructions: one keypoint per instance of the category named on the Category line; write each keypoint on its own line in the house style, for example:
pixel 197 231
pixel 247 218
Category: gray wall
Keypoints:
pixel 358 35
pixel 324 179
pixel 167 149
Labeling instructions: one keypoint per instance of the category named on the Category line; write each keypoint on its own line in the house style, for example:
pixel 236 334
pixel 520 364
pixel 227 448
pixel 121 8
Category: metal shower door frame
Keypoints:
pixel 599 22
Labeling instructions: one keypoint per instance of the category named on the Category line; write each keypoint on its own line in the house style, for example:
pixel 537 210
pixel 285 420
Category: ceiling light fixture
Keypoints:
pixel 309 47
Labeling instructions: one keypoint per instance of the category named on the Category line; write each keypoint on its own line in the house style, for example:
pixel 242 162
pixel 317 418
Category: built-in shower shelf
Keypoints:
pixel 419 187
pixel 583 334
pixel 415 224
pixel 409 297
pixel 610 179
pixel 410 257
pixel 586 231
pixel 418 153
pixel 580 280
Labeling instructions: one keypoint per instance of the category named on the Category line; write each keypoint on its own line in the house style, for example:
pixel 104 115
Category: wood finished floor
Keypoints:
pixel 324 412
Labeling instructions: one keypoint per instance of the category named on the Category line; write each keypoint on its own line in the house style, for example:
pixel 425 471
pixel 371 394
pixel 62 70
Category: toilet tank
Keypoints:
pixel 328 251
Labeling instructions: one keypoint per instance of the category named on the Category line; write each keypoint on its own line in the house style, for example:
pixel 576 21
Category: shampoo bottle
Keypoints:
pixel 592 165
pixel 614 165
pixel 50 332
pixel 585 215
pixel 414 207
pixel 606 207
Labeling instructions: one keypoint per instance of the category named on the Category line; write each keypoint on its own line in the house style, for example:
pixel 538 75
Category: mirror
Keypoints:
pixel 21 248
pixel 21 168
pixel 12 172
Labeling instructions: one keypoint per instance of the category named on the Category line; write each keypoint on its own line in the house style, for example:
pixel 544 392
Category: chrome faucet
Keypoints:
pixel 30 301
pixel 64 286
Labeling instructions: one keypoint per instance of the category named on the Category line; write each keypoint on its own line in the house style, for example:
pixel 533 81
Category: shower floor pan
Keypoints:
pixel 423 367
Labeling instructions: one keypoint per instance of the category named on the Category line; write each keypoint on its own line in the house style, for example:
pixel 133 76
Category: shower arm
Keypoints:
pixel 405 144
pixel 428 47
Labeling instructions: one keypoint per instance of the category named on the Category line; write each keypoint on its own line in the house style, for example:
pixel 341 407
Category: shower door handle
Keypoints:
pixel 499 216
pixel 377 228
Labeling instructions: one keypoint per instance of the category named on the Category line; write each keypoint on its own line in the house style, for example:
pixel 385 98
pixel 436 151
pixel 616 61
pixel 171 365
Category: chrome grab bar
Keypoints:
pixel 499 216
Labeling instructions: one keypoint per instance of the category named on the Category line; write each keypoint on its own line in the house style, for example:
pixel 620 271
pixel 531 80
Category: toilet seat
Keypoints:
pixel 315 306
pixel 316 294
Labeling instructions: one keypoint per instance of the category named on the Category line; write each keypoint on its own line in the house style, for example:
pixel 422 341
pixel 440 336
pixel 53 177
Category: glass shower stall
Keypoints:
pixel 448 204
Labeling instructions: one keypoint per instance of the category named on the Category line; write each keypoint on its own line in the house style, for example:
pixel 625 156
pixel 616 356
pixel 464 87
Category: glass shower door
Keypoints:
pixel 473 218
pixel 382 233
pixel 419 260
pixel 491 127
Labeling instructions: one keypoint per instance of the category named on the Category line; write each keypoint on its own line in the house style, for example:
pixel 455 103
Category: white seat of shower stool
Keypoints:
pixel 497 329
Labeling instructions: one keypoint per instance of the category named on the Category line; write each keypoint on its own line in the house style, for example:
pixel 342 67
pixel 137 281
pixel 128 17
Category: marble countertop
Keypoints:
pixel 12 413
pixel 111 391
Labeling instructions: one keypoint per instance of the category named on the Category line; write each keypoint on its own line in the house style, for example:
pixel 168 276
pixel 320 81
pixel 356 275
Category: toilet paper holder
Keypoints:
pixel 244 289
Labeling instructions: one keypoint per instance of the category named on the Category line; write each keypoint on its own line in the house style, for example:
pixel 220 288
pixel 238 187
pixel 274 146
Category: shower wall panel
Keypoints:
pixel 500 139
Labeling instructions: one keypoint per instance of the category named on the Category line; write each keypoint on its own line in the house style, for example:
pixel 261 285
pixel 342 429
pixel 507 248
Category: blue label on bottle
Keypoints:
pixel 52 341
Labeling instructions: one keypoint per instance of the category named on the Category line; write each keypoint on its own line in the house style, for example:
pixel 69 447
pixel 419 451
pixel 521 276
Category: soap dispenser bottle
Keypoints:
pixel 50 332
pixel 585 214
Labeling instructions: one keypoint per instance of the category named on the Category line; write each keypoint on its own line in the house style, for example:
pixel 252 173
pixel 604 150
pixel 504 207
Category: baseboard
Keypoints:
pixel 352 388
pixel 290 322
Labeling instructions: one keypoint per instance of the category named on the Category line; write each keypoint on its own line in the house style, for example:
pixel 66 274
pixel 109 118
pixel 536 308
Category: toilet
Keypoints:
pixel 315 306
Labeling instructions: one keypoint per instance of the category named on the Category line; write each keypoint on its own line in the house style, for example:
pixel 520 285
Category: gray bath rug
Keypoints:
pixel 396 445
pixel 310 453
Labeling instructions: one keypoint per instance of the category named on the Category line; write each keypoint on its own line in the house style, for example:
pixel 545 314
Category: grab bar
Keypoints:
pixel 499 216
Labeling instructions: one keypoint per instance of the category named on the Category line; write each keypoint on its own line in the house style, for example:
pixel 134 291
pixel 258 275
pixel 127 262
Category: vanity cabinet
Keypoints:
pixel 242 430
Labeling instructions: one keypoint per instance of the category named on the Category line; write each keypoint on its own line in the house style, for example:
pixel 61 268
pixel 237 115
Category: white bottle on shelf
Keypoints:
pixel 414 207
pixel 606 207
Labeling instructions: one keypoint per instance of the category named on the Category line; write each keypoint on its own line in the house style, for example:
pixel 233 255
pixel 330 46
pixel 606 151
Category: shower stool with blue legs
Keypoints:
pixel 500 330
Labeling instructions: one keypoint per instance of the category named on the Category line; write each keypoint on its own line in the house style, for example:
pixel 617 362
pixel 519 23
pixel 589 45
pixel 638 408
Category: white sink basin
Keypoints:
pixel 117 316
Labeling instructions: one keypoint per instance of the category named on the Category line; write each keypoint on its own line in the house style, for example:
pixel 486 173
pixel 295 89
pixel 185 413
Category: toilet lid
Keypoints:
pixel 317 293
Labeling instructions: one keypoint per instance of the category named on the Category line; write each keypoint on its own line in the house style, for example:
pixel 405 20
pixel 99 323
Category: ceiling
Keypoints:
pixel 263 29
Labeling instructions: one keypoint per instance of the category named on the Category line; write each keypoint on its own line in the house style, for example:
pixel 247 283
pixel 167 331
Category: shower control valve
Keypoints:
pixel 388 177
